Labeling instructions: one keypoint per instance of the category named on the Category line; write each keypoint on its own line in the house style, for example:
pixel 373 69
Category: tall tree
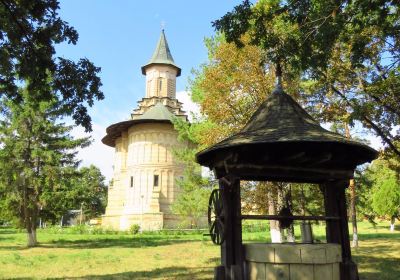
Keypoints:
pixel 29 31
pixel 349 51
pixel 54 87
pixel 35 148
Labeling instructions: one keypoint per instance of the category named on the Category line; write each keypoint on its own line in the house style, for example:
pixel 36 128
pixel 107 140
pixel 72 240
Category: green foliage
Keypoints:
pixel 346 52
pixel 386 189
pixel 378 191
pixel 194 190
pixel 134 229
pixel 36 148
pixel 78 187
pixel 29 31
pixel 364 185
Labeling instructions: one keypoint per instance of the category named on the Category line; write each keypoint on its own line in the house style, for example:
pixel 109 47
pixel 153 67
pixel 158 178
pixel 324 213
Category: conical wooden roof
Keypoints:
pixel 282 133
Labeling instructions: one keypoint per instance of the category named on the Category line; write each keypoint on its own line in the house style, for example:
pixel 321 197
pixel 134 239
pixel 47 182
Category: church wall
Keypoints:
pixel 144 151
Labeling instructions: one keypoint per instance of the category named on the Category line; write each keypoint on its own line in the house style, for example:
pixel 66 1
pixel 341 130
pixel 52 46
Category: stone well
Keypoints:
pixel 292 261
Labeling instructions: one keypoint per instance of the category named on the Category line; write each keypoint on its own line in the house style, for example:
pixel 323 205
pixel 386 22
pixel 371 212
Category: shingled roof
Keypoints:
pixel 162 55
pixel 157 114
pixel 279 124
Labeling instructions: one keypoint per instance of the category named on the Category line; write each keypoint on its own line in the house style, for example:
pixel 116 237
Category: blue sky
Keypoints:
pixel 120 36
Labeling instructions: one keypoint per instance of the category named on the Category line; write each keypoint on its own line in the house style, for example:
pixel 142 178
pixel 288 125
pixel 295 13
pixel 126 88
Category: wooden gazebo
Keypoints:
pixel 282 142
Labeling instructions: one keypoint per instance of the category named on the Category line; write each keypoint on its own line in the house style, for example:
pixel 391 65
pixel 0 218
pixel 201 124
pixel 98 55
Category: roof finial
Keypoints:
pixel 162 25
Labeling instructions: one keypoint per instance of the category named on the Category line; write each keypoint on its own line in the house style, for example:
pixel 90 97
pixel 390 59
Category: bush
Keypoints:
pixel 134 229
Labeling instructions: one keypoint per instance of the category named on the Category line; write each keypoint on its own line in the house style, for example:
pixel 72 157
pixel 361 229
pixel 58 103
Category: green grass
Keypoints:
pixel 69 254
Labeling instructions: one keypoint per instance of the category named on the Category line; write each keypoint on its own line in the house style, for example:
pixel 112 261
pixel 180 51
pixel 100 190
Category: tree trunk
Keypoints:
pixel 275 231
pixel 31 236
pixel 353 210
pixel 392 220
pixel 290 234
pixel 30 216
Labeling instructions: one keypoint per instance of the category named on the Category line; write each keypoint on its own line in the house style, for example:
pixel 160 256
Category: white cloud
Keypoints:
pixel 189 106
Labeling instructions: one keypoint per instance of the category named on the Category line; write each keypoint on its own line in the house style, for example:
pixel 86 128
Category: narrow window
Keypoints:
pixel 131 182
pixel 160 85
pixel 155 181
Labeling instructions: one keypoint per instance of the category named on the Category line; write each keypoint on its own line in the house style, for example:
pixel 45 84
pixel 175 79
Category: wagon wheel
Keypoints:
pixel 216 217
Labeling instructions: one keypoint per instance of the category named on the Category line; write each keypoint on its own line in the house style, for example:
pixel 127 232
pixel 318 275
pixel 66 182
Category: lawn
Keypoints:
pixel 64 255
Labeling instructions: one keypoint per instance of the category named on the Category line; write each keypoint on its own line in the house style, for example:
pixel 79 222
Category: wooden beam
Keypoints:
pixel 255 172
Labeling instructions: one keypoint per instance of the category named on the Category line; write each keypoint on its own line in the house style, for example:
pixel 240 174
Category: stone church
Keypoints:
pixel 145 171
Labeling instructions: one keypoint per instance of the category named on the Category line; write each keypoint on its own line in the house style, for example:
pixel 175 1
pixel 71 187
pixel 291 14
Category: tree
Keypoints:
pixel 194 190
pixel 35 148
pixel 84 187
pixel 35 145
pixel 29 30
pixel 347 51
pixel 385 195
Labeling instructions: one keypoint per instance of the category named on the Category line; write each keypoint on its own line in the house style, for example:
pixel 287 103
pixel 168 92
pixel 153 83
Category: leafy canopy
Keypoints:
pixel 346 52
pixel 29 31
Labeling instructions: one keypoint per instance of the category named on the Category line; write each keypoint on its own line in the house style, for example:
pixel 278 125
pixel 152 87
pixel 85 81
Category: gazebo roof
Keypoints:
pixel 162 55
pixel 282 134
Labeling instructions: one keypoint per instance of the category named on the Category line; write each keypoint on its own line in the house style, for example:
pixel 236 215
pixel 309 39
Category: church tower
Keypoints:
pixel 145 171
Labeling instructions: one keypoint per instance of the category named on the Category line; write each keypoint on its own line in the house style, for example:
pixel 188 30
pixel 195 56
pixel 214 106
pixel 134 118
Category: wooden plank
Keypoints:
pixel 300 218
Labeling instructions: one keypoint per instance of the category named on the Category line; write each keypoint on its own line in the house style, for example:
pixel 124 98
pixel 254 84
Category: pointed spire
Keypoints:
pixel 162 55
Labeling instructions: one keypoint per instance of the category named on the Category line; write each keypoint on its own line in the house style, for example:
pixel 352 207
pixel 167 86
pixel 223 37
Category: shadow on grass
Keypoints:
pixel 172 272
pixel 5 238
pixel 384 268
pixel 8 231
pixel 388 235
pixel 103 242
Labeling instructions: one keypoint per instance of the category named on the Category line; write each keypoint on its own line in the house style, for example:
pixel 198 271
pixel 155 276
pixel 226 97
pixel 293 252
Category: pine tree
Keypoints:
pixel 35 147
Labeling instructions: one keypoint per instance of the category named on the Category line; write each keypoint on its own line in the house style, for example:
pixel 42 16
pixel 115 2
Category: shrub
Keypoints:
pixel 134 229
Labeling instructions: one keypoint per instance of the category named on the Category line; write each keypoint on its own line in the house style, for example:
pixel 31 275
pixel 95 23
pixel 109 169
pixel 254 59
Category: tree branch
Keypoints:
pixel 374 126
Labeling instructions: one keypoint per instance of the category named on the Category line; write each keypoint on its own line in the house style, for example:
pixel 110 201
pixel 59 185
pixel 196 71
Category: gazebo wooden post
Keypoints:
pixel 337 231
pixel 232 249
